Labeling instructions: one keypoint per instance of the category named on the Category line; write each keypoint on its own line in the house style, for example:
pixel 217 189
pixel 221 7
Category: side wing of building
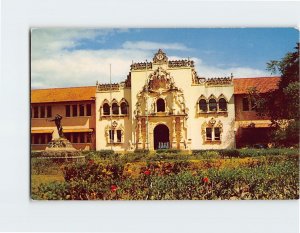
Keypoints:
pixel 76 106
pixel 252 129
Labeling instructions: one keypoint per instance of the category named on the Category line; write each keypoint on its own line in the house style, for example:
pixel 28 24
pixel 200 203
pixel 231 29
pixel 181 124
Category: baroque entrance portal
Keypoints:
pixel 161 137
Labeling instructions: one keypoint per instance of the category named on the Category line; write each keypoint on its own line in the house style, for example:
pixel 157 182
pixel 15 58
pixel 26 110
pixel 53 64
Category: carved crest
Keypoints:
pixel 160 79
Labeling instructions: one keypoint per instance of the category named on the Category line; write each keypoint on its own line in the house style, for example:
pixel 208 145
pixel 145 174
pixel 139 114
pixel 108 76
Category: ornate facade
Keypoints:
pixel 164 104
pixel 161 104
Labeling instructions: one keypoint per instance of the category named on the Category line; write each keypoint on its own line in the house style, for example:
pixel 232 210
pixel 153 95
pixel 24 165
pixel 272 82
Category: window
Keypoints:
pixel 119 135
pixel 36 112
pixel 114 135
pixel 106 109
pixel 245 104
pixel 160 105
pixel 35 139
pixel 203 105
pixel 68 136
pixel 208 134
pixel 81 136
pixel 43 139
pixel 74 109
pixel 42 109
pixel 252 103
pixel 123 108
pixel 111 136
pixel 49 111
pixel 212 105
pixel 89 138
pixel 75 138
pixel 81 110
pixel 68 111
pixel 222 104
pixel 49 137
pixel 88 109
pixel 217 134
pixel 115 109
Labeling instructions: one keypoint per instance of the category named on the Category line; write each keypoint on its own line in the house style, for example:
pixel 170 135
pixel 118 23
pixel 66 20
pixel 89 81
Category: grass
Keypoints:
pixel 37 180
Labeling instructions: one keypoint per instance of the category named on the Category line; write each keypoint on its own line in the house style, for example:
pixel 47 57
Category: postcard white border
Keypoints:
pixel 18 213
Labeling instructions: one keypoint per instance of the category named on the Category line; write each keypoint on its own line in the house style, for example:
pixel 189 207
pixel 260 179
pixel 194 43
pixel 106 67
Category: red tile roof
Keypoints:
pixel 262 84
pixel 63 94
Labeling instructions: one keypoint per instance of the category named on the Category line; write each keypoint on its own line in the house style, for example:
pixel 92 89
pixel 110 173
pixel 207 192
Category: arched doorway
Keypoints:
pixel 161 137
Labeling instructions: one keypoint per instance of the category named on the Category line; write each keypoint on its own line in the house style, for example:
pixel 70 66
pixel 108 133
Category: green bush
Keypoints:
pixel 230 153
pixel 167 151
pixel 35 154
pixel 209 155
pixel 142 151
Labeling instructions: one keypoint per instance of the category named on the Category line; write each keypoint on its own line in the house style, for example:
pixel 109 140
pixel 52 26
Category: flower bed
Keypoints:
pixel 274 177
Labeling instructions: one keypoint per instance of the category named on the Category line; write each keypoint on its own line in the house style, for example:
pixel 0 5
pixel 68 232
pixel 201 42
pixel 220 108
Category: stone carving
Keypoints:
pixel 160 57
pixel 160 80
pixel 181 63
pixel 108 87
pixel 141 66
pixel 212 121
pixel 128 80
pixel 61 143
pixel 114 124
pixel 223 81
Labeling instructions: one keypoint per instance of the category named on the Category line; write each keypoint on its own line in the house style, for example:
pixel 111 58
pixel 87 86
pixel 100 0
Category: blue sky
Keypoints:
pixel 74 57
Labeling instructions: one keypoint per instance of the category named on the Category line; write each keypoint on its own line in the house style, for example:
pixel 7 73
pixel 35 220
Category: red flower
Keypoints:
pixel 113 188
pixel 147 172
pixel 205 180
pixel 91 162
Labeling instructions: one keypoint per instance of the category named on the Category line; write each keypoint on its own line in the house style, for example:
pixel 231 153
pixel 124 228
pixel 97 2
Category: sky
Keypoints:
pixel 68 57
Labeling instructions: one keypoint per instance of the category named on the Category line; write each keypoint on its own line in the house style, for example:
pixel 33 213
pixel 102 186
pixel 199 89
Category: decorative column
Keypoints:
pixel 139 134
pixel 181 135
pixel 174 146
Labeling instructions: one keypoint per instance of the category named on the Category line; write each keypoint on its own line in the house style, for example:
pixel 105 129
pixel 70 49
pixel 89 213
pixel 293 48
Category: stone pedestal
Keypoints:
pixel 61 148
pixel 60 144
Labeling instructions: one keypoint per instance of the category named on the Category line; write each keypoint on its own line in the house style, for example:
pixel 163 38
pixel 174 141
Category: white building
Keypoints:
pixel 165 104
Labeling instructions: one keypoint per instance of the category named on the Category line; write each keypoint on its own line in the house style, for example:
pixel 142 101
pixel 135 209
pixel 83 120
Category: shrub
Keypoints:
pixel 142 151
pixel 168 151
pixel 230 153
pixel 209 155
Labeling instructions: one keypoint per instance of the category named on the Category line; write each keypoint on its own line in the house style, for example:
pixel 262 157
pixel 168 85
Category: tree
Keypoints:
pixel 282 104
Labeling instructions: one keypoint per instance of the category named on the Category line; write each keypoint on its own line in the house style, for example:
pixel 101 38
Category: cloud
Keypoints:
pixel 148 45
pixel 83 67
pixel 47 42
pixel 56 60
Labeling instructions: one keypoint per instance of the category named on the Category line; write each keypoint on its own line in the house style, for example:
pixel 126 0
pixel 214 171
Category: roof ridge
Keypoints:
pixel 51 88
pixel 259 77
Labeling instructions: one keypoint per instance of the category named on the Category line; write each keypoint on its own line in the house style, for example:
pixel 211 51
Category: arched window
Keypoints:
pixel 222 104
pixel 115 109
pixel 160 105
pixel 106 109
pixel 124 109
pixel 203 105
pixel 212 105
